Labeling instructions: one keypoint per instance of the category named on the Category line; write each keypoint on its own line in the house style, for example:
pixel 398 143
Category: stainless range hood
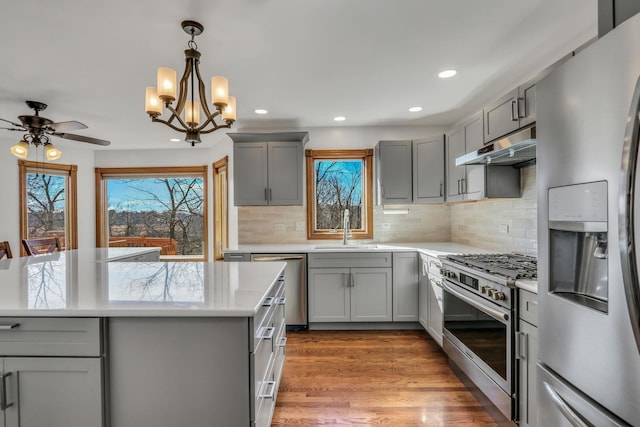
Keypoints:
pixel 517 149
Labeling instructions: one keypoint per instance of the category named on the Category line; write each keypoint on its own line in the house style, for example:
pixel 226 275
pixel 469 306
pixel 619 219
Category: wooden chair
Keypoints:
pixel 5 250
pixel 42 245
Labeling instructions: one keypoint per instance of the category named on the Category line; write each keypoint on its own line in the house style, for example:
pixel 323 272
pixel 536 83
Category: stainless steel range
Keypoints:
pixel 480 317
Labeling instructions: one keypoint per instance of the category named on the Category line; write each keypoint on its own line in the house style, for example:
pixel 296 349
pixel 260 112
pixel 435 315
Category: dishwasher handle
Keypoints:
pixel 278 258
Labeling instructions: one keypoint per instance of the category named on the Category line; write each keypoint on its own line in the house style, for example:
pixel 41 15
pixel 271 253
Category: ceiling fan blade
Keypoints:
pixel 82 138
pixel 13 123
pixel 66 126
pixel 17 129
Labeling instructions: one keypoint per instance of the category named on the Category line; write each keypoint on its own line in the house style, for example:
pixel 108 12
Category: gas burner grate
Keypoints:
pixel 508 265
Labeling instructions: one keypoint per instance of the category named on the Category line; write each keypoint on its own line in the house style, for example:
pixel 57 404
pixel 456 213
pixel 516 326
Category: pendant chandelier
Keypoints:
pixel 185 116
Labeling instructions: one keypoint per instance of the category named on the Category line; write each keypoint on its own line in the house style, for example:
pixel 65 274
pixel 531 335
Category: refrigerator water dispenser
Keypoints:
pixel 578 244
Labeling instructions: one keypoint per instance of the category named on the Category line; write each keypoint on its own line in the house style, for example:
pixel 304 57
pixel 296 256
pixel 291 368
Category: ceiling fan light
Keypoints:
pixel 51 152
pixel 20 150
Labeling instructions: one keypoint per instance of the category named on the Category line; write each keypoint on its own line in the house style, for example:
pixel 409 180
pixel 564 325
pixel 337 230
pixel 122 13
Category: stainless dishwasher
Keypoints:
pixel 295 284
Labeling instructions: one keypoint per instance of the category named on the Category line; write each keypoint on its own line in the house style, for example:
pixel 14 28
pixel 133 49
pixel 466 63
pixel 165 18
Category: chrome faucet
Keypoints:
pixel 345 227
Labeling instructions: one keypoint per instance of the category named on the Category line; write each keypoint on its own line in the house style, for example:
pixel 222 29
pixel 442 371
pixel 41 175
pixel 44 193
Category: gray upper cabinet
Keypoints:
pixel 510 112
pixel 410 171
pixel 268 168
pixel 394 172
pixel 465 182
pixel 428 170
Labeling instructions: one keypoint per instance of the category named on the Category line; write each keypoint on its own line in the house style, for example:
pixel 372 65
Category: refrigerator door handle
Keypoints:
pixel 627 213
pixel 574 418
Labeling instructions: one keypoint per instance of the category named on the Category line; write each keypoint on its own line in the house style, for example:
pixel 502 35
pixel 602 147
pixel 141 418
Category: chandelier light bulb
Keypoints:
pixel 192 113
pixel 229 112
pixel 219 90
pixel 167 83
pixel 152 102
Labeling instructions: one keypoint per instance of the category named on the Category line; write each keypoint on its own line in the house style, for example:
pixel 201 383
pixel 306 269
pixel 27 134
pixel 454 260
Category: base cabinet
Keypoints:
pixel 52 391
pixel 527 355
pixel 350 287
pixel 350 295
pixel 405 287
pixel 51 372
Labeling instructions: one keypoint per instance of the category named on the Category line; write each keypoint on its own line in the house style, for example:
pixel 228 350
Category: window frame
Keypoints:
pixel 101 176
pixel 71 198
pixel 366 156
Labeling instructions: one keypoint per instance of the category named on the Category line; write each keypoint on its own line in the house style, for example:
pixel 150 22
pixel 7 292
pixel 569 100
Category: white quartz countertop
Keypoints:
pixel 79 283
pixel 530 285
pixel 432 248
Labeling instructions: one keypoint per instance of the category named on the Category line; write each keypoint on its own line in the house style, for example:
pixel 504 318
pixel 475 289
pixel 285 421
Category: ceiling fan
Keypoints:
pixel 37 130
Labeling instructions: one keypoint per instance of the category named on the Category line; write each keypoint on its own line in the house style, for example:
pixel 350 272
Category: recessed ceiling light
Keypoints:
pixel 447 73
pixel 175 140
pixel 339 119
pixel 261 111
pixel 415 109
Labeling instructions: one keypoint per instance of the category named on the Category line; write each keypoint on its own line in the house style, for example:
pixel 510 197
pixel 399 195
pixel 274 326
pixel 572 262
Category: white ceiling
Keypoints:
pixel 305 61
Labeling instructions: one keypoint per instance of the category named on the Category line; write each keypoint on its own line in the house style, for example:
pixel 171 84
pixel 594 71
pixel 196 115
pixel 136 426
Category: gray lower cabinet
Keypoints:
pixel 405 287
pixel 51 372
pixel 434 328
pixel 350 287
pixel 268 168
pixel 197 371
pixel 527 355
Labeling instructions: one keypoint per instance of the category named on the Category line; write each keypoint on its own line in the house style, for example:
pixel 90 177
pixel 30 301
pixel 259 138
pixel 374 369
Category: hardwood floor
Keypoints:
pixel 371 378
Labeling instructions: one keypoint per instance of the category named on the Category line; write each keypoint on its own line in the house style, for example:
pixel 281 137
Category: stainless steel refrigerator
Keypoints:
pixel 589 235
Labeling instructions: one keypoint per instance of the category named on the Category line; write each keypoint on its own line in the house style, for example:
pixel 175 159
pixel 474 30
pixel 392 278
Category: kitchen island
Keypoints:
pixel 95 343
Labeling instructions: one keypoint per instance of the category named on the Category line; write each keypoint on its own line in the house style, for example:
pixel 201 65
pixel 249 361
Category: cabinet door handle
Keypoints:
pixel 441 185
pixel 270 195
pixel 266 194
pixel 3 391
pixel 268 302
pixel 514 107
pixel 271 394
pixel 267 334
pixel 458 186
pixel 9 326
pixel 463 185
pixel 522 108
pixel 522 350
pixel 353 280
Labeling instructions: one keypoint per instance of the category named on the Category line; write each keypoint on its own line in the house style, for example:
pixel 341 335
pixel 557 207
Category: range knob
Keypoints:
pixel 491 292
pixel 485 289
pixel 498 296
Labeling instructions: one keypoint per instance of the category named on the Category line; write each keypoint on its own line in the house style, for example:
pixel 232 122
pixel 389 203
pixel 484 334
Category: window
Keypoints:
pixel 160 207
pixel 48 207
pixel 339 180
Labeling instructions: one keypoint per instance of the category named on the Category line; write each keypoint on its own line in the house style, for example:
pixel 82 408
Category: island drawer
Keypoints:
pixel 341 259
pixel 529 307
pixel 46 336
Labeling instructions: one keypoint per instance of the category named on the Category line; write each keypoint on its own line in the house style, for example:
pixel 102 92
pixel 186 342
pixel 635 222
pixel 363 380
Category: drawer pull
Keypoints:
pixel 283 342
pixel 3 392
pixel 267 334
pixel 268 302
pixel 271 394
pixel 282 300
pixel 9 327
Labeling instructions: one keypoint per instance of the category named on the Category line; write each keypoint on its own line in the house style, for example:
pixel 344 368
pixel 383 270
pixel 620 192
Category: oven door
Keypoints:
pixel 482 331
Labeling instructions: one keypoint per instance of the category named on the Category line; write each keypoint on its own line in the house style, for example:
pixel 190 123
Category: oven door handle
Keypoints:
pixel 496 314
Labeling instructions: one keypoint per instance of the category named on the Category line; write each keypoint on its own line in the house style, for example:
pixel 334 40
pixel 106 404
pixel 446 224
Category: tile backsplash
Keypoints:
pixel 504 225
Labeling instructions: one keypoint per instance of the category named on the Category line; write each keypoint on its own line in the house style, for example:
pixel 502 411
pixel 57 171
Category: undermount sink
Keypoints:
pixel 334 247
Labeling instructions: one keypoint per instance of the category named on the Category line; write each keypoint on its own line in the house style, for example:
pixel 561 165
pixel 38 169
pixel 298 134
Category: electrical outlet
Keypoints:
pixel 278 227
pixel 299 225
pixel 504 228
